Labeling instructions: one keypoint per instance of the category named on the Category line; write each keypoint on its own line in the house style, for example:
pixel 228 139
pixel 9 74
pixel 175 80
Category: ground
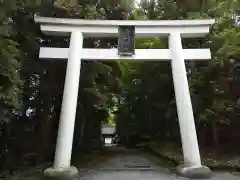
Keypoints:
pixel 216 158
pixel 122 164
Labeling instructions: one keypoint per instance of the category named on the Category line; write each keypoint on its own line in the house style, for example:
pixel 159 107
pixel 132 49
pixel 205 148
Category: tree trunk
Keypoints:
pixel 82 131
pixel 215 134
pixel 44 133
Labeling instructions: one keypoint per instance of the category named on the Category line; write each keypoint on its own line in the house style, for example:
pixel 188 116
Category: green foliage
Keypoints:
pixel 9 66
pixel 39 84
pixel 149 102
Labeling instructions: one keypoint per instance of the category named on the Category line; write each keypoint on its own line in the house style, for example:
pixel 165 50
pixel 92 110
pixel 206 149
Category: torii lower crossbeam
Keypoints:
pixel 112 54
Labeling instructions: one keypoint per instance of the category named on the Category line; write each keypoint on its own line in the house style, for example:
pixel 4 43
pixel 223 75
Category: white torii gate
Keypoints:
pixel 173 29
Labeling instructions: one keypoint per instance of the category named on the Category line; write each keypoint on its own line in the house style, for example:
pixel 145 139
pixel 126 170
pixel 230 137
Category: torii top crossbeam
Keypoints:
pixel 109 28
pixel 99 28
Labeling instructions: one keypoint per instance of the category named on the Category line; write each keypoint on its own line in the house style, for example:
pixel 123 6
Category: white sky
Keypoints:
pixel 137 1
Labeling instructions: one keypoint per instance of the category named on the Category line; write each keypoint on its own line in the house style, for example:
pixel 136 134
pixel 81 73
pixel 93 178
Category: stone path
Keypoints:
pixel 137 166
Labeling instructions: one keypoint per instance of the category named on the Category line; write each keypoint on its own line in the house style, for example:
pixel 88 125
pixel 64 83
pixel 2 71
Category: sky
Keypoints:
pixel 137 1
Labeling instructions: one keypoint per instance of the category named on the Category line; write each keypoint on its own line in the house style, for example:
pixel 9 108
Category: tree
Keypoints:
pixel 210 82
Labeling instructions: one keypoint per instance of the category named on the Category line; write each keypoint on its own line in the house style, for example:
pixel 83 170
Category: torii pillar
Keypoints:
pixel 174 30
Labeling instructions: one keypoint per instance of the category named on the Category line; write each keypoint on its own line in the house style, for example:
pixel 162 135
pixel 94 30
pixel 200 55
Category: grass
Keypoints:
pixel 32 173
pixel 83 160
pixel 211 157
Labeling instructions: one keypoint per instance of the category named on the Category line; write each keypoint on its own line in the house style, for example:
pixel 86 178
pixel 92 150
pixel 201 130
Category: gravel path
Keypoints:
pixel 134 165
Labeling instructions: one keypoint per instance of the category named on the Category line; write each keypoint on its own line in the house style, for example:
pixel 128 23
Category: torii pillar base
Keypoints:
pixel 61 173
pixel 194 172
